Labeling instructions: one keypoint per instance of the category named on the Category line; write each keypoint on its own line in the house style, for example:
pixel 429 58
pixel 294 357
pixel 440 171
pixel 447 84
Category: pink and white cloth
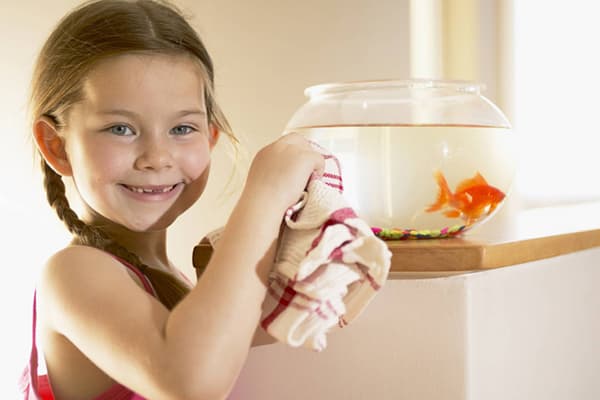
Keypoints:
pixel 329 265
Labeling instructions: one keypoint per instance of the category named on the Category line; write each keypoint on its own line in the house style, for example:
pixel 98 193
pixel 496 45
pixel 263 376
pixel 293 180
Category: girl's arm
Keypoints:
pixel 197 350
pixel 262 338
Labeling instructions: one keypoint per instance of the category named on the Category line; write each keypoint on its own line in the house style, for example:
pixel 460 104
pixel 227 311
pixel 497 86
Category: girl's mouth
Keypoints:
pixel 150 189
pixel 152 192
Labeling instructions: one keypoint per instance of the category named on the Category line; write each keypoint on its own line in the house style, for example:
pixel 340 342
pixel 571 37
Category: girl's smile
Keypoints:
pixel 153 192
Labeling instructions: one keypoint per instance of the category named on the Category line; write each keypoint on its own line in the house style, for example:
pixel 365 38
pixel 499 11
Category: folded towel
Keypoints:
pixel 328 267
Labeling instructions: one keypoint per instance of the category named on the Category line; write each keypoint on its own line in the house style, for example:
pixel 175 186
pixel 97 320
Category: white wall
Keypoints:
pixel 526 332
pixel 265 51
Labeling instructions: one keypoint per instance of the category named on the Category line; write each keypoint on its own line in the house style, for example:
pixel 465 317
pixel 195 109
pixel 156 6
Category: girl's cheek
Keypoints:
pixel 197 162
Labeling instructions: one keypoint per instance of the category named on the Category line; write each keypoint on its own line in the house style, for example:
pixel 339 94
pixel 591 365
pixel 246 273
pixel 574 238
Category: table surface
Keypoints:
pixel 527 235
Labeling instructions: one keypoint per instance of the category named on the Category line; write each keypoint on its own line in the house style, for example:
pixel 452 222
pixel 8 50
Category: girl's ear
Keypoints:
pixel 52 146
pixel 213 135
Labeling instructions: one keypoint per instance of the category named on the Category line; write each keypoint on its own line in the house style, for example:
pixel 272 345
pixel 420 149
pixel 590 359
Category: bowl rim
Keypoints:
pixel 464 86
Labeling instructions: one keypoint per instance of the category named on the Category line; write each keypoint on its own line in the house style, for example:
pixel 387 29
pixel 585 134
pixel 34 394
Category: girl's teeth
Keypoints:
pixel 142 190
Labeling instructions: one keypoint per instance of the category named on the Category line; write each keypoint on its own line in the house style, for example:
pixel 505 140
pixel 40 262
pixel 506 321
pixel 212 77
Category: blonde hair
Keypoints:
pixel 91 33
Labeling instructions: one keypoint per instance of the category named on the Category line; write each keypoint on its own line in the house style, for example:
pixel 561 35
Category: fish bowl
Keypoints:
pixel 419 158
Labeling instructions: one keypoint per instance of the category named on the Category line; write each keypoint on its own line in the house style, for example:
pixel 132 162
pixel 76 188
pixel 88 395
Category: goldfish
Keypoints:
pixel 473 198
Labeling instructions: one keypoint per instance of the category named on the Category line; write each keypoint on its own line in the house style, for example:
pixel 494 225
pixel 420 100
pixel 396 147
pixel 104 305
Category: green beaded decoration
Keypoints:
pixel 408 234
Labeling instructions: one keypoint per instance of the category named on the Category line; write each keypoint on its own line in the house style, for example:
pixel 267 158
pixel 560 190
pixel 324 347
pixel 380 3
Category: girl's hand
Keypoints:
pixel 280 171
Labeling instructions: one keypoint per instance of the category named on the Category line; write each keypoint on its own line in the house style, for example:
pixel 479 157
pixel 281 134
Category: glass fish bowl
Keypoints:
pixel 419 158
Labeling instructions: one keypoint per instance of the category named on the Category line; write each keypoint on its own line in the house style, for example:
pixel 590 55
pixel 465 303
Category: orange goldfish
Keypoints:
pixel 472 198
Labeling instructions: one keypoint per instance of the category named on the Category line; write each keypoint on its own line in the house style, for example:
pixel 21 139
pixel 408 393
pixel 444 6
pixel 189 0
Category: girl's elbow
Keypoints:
pixel 203 390
pixel 199 382
pixel 187 393
pixel 191 390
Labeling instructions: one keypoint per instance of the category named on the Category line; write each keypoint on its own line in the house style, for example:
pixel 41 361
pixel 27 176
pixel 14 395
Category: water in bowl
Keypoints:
pixel 392 173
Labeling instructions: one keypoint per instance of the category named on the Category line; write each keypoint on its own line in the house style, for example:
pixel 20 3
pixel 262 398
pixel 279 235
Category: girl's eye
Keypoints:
pixel 182 130
pixel 121 130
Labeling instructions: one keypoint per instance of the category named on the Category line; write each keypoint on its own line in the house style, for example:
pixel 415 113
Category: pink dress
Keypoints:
pixel 38 387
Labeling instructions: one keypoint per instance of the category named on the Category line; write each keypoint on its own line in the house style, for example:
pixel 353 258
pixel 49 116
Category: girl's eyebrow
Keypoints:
pixel 133 114
pixel 125 113
pixel 185 113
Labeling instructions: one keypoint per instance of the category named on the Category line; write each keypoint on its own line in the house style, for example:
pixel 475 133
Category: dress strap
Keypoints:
pixel 31 384
pixel 143 278
pixel 32 370
pixel 34 356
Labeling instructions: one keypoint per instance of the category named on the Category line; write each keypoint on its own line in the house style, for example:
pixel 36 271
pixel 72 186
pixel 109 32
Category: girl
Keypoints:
pixel 124 115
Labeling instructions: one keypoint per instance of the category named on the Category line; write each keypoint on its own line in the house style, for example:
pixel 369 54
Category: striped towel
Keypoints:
pixel 328 267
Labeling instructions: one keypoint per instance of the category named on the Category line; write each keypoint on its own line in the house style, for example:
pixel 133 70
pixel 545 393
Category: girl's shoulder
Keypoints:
pixel 77 262
pixel 89 308
pixel 77 273
pixel 85 258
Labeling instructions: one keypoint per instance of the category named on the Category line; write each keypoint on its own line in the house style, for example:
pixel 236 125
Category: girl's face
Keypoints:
pixel 139 143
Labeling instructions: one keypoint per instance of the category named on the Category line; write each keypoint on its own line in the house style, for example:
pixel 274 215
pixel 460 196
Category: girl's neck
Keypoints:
pixel 150 247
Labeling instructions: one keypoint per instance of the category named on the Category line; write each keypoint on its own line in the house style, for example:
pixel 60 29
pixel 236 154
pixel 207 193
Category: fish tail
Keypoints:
pixel 444 193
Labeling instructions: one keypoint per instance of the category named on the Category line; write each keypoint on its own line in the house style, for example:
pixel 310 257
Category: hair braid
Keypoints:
pixel 168 289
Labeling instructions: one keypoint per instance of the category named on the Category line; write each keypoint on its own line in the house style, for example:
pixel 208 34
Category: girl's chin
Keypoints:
pixel 154 226
pixel 125 226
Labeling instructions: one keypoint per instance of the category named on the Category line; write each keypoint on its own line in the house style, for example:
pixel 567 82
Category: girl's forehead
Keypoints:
pixel 144 78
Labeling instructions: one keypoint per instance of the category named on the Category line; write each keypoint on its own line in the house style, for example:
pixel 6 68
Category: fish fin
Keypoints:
pixel 480 178
pixel 493 207
pixel 476 180
pixel 444 193
pixel 452 214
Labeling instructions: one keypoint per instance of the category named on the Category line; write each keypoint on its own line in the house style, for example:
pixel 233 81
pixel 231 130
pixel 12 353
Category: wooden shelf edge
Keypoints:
pixel 506 254
pixel 455 255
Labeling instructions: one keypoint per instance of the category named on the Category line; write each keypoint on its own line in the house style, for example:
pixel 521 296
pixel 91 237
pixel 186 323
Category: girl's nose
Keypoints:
pixel 155 155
